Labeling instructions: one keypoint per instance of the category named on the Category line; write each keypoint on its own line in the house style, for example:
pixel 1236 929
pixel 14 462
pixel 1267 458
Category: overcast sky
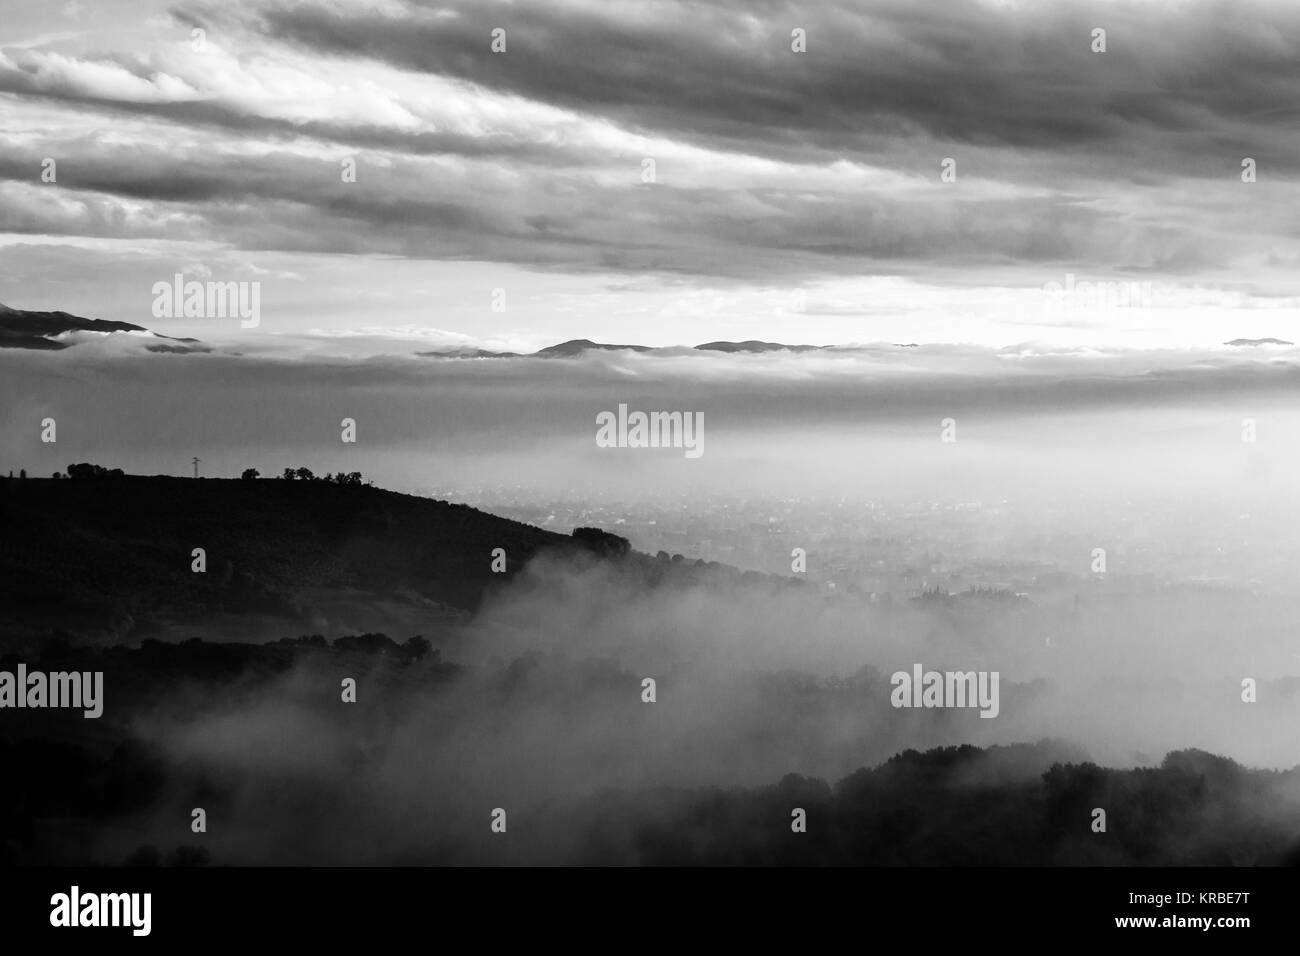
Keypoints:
pixel 796 196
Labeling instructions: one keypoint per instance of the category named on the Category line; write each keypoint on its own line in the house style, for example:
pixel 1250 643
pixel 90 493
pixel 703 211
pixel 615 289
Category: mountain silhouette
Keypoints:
pixel 110 555
pixel 752 345
pixel 107 556
pixel 578 346
pixel 22 329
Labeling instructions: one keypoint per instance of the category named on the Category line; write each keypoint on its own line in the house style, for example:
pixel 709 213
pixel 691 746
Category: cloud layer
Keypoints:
pixel 770 167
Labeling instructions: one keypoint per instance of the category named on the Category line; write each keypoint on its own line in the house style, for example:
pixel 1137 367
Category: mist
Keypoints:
pixel 546 719
pixel 535 704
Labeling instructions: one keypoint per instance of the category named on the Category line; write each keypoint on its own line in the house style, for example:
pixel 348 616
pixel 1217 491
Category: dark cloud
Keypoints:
pixel 967 72
pixel 285 201
pixel 770 163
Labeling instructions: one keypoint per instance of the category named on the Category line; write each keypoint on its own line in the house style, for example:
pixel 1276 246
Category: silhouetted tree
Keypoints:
pixel 250 473
pixel 86 470
pixel 189 856
pixel 602 542
pixel 416 647
pixel 366 643
pixel 304 474
pixel 145 855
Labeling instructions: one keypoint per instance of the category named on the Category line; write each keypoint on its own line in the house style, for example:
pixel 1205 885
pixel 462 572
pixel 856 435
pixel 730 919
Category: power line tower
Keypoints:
pixel 196 466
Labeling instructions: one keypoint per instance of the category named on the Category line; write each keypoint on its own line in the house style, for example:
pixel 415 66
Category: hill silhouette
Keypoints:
pixel 20 329
pixel 23 329
pixel 112 555
pixel 109 556
pixel 578 346
pixel 753 345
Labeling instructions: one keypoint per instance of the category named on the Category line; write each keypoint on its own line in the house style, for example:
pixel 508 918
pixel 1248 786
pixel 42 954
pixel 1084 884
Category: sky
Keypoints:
pixel 664 173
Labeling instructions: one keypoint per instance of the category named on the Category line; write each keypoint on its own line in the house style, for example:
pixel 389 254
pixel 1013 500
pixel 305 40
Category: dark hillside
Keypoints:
pixel 109 555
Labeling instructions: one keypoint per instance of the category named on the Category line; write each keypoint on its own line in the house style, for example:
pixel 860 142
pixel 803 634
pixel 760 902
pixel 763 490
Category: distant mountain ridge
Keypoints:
pixel 24 329
pixel 576 347
pixel 27 329
pixel 753 345
pixel 20 329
